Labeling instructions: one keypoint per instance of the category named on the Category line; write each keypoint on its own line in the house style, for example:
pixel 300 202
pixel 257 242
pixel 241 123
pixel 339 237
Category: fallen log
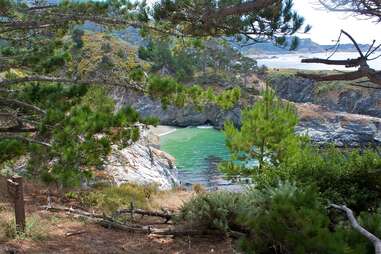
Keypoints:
pixel 166 215
pixel 76 211
pixel 158 231
pixel 109 222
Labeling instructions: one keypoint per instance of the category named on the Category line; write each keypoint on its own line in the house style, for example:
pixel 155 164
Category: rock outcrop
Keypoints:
pixel 340 128
pixel 181 117
pixel 142 163
pixel 334 97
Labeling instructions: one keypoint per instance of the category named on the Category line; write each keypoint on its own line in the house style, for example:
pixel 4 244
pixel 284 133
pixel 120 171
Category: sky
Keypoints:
pixel 326 25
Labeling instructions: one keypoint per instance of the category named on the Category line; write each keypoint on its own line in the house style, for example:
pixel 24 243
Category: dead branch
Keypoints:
pixel 17 103
pixel 166 215
pixel 24 139
pixel 361 62
pixel 68 234
pixel 342 76
pixel 347 63
pixel 354 223
pixel 131 85
pixel 110 223
pixel 158 231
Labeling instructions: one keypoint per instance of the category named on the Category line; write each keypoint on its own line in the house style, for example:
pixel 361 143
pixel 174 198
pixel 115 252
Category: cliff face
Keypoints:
pixel 333 96
pixel 340 128
pixel 141 163
pixel 181 117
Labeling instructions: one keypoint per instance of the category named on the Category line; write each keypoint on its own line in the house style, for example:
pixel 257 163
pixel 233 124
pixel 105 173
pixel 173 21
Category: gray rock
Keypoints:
pixel 181 117
pixel 348 99
pixel 142 164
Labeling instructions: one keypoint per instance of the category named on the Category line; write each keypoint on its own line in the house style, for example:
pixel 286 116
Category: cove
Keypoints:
pixel 197 150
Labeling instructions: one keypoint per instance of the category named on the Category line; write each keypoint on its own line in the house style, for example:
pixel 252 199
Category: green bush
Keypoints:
pixel 216 210
pixel 287 219
pixel 281 219
pixel 351 178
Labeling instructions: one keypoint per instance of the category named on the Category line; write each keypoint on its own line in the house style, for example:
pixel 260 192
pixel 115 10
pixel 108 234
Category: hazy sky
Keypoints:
pixel 326 25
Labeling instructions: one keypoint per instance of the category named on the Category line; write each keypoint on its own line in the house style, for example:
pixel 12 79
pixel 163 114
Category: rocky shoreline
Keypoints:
pixel 143 163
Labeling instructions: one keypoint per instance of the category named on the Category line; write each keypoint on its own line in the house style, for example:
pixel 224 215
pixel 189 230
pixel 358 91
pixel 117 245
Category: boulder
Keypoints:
pixel 142 164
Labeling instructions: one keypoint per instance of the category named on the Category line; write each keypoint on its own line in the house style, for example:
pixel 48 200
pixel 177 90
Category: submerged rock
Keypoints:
pixel 141 163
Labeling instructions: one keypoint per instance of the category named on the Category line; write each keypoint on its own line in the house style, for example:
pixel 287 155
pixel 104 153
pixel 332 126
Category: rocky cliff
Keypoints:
pixel 340 128
pixel 321 124
pixel 181 117
pixel 142 163
pixel 335 96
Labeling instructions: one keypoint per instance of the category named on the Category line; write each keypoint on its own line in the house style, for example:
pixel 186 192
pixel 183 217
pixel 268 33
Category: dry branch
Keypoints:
pixel 127 84
pixel 361 62
pixel 166 215
pixel 145 229
pixel 349 213
pixel 24 139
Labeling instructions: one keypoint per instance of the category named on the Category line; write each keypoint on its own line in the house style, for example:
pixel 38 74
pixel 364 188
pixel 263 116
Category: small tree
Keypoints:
pixel 267 134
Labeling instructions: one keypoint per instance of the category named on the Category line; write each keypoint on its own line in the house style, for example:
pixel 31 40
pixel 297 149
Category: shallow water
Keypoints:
pixel 197 152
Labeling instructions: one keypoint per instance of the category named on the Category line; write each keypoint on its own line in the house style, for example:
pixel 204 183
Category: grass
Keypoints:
pixel 35 228
pixel 111 198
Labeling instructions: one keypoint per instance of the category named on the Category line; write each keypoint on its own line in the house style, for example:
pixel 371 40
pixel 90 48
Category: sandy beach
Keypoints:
pixel 162 130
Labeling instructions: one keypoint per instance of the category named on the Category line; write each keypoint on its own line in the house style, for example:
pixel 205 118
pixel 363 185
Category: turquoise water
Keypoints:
pixel 197 152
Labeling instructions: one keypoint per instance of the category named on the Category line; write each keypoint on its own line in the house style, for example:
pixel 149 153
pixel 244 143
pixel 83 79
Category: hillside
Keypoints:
pixel 305 46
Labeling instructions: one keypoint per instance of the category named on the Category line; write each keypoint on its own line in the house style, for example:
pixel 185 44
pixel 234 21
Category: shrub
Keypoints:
pixel 280 219
pixel 216 210
pixel 287 219
pixel 198 188
pixel 350 178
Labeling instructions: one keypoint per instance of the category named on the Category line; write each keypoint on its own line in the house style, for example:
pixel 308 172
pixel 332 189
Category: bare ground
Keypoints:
pixel 88 237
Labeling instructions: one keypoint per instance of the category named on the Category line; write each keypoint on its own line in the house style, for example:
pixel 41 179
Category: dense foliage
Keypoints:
pixel 79 127
pixel 279 219
pixel 192 59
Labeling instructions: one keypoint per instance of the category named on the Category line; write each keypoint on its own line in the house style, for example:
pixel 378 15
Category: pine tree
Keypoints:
pixel 265 137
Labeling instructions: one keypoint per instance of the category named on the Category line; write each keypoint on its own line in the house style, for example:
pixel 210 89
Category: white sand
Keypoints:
pixel 162 130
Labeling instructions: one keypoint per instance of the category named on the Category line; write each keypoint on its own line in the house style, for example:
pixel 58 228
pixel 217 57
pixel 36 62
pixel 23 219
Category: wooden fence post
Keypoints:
pixel 16 191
